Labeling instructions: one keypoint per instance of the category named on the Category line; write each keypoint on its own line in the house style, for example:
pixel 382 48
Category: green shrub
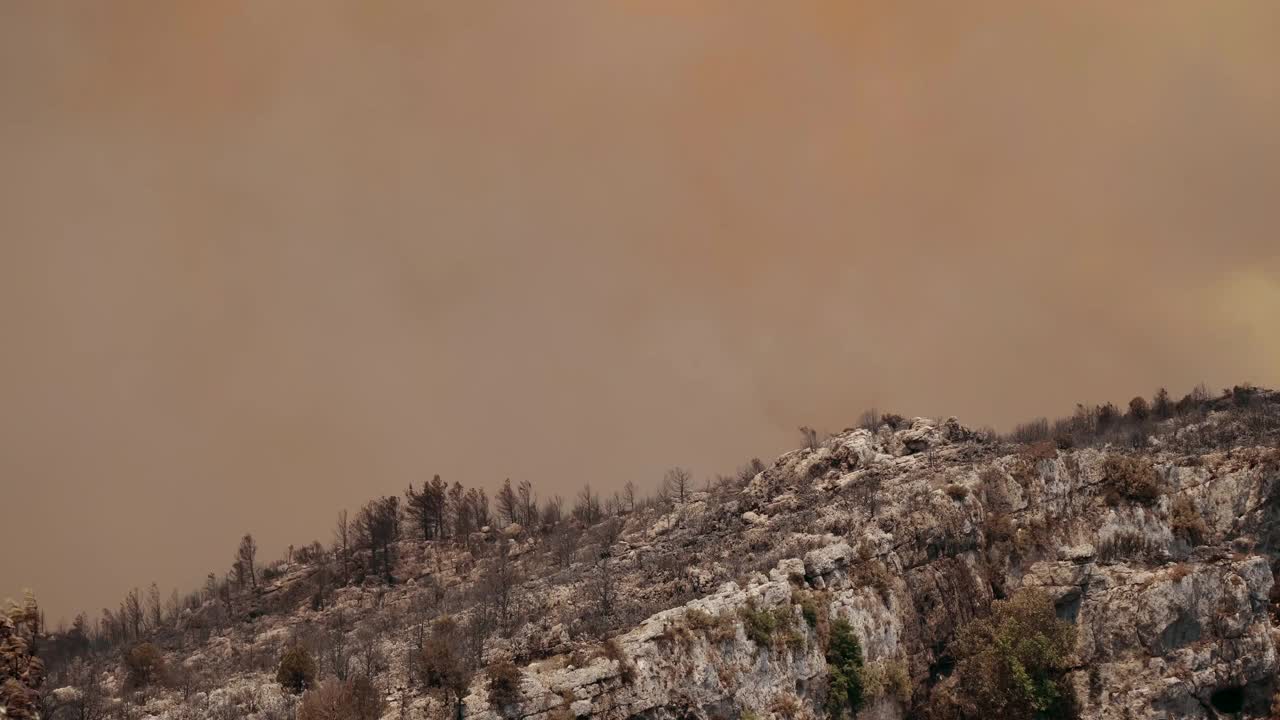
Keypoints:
pixel 297 670
pixel 759 625
pixel 814 608
pixel 785 633
pixel 886 677
pixel 809 610
pixel 898 680
pixel 871 675
pixel 1012 664
pixel 844 670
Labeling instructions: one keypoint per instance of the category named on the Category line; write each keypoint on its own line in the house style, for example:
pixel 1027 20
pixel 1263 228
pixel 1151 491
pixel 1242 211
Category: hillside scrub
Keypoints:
pixel 1012 663
pixel 621 614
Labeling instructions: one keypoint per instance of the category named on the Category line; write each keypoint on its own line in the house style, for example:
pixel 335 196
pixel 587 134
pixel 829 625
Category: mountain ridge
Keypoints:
pixel 1157 551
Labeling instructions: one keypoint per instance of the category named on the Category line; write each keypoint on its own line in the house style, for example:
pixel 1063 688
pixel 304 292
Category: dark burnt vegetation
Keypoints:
pixel 1129 546
pixel 1132 479
pixel 1180 423
pixel 481 586
pixel 471 571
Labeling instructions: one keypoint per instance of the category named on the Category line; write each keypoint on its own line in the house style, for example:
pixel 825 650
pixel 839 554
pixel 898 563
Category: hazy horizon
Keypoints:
pixel 264 262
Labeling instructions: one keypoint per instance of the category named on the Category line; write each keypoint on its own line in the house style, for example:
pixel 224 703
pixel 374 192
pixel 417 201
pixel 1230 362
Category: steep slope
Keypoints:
pixel 1161 558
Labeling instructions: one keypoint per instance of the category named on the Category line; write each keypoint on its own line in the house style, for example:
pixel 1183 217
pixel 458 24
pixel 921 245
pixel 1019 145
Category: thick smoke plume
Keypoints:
pixel 260 261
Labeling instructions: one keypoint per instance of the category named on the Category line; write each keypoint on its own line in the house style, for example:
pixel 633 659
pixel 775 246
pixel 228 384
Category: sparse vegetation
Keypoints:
pixel 716 628
pixel 1127 545
pixel 613 651
pixel 1039 451
pixel 462 586
pixel 1031 432
pixel 810 437
pixel 1098 425
pixel 678 484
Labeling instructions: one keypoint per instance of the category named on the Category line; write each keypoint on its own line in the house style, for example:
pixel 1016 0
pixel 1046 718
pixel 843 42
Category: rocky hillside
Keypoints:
pixel 1155 553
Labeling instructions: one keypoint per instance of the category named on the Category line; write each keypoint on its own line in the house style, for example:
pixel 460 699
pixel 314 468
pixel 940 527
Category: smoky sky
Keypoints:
pixel 260 261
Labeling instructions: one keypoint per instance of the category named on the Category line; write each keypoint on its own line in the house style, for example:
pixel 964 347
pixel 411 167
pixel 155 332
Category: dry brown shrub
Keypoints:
pixel 562 711
pixel 998 528
pixel 1030 458
pixel 786 705
pixel 1186 521
pixel 1130 478
pixel 876 575
pixel 612 650
pixel 698 619
pixel 1127 545
pixel 503 685
pixel 1036 452
pixel 334 699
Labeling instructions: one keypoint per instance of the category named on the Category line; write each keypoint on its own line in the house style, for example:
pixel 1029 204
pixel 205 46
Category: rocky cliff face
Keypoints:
pixel 933 527
pixel 1161 557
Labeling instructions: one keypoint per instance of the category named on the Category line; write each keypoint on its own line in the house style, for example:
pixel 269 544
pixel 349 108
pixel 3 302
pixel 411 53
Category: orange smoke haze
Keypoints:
pixel 260 261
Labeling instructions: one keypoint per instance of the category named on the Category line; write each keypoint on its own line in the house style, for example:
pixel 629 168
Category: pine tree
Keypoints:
pixel 505 502
pixel 245 555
